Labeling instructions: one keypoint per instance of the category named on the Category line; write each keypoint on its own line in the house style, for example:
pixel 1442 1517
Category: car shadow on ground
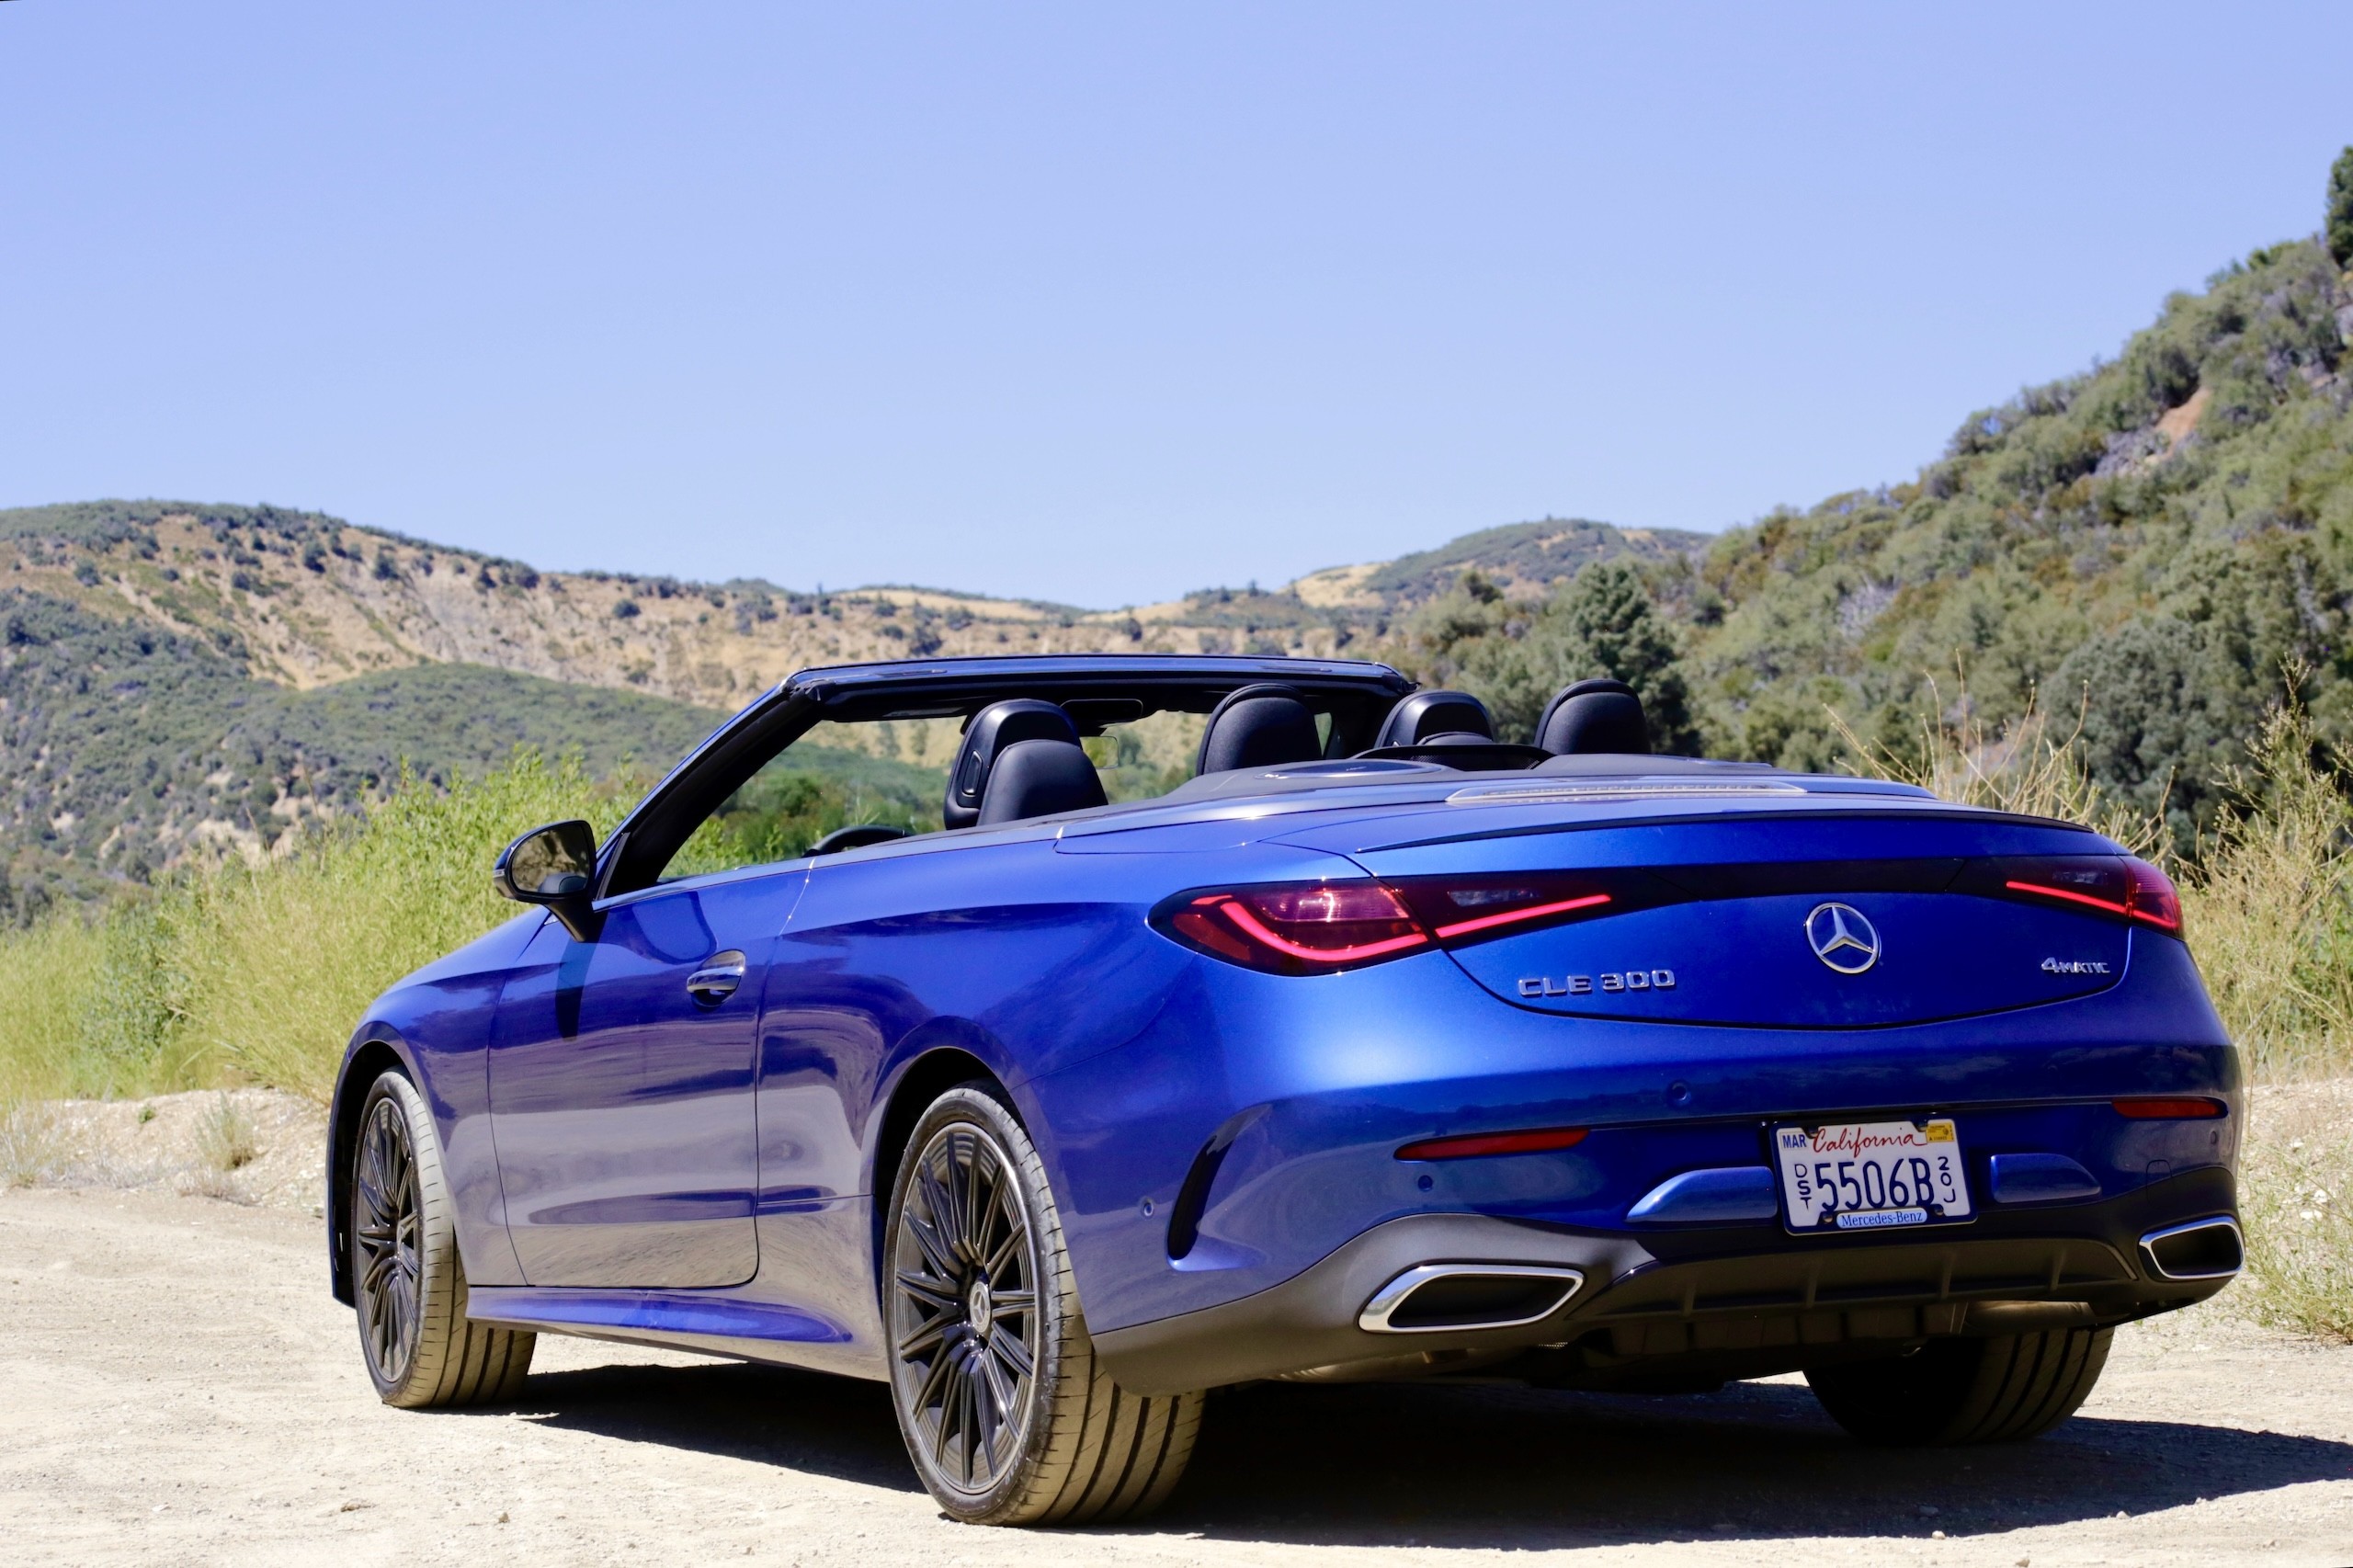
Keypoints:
pixel 803 1421
pixel 1473 1465
pixel 1478 1466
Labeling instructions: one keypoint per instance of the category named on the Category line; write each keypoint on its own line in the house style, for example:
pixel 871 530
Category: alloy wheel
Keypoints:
pixel 384 1236
pixel 965 1319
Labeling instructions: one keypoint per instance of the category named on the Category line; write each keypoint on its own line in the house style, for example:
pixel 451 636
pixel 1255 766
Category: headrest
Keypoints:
pixel 1594 716
pixel 1425 715
pixel 993 729
pixel 1258 726
pixel 1037 778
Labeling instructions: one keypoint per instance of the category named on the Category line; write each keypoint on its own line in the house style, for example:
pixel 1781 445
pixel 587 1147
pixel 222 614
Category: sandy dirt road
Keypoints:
pixel 177 1387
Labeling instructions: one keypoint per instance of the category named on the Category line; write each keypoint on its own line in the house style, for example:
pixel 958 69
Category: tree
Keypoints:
pixel 1609 609
pixel 1515 655
pixel 2341 208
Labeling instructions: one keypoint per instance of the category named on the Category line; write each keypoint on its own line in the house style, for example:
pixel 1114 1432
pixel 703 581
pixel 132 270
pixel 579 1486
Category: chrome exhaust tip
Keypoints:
pixel 1440 1298
pixel 2203 1249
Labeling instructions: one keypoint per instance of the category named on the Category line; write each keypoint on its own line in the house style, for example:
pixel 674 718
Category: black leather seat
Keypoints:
pixel 1020 758
pixel 1428 717
pixel 1265 725
pixel 1590 716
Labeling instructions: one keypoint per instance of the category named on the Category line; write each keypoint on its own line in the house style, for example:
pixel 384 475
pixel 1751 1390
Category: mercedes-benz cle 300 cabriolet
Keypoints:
pixel 1367 1047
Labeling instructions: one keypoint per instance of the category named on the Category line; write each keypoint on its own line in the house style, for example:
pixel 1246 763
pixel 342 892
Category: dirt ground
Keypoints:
pixel 176 1386
pixel 179 1387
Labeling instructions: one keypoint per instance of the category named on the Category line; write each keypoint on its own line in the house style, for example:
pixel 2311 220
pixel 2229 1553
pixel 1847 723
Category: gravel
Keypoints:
pixel 178 1387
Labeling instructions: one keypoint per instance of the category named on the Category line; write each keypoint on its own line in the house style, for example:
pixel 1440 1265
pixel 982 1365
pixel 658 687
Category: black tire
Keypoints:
pixel 1966 1391
pixel 407 1285
pixel 977 1282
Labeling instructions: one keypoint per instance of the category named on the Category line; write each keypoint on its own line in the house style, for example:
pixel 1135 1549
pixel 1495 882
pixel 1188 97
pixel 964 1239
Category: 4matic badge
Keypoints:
pixel 2072 966
pixel 1586 984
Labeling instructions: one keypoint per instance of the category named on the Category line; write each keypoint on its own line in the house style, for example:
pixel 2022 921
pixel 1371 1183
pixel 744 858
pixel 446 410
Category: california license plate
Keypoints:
pixel 1870 1176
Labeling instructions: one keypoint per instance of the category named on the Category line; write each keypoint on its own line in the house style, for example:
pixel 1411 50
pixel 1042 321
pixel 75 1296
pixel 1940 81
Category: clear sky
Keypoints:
pixel 1098 302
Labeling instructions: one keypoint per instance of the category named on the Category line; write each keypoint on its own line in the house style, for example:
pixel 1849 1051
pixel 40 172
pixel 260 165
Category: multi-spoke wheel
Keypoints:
pixel 407 1283
pixel 1006 1415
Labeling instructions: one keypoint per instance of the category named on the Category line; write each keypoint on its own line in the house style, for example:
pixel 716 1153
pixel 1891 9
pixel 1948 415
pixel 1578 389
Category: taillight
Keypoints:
pixel 2170 1108
pixel 1461 909
pixel 1311 928
pixel 2155 901
pixel 1322 928
pixel 2119 886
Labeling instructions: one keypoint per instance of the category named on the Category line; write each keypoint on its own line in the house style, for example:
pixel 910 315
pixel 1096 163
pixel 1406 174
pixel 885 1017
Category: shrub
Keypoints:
pixel 2340 210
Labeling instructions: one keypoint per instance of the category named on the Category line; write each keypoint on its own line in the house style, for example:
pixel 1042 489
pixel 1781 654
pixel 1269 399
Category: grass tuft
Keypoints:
pixel 226 1137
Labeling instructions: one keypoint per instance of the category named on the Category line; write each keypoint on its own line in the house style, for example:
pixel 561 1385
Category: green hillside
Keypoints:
pixel 2155 552
pixel 2162 546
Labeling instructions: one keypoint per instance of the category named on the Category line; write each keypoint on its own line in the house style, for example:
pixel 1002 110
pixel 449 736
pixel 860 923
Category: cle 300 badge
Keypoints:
pixel 1586 984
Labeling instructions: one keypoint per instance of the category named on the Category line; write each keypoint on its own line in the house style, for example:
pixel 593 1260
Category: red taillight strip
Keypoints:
pixel 1489 922
pixel 1233 911
pixel 2159 1108
pixel 2110 904
pixel 1471 1145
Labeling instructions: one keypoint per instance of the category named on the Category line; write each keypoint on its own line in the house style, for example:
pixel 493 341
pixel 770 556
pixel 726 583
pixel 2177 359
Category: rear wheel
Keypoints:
pixel 407 1282
pixel 1008 1416
pixel 1966 1391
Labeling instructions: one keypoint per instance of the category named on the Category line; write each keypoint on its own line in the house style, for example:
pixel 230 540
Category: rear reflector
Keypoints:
pixel 1470 1146
pixel 2180 1107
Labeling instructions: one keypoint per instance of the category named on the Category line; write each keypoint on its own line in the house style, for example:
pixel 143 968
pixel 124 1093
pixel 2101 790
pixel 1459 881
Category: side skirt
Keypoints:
pixel 682 1320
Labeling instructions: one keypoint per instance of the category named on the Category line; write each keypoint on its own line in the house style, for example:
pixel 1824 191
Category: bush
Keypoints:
pixel 246 973
pixel 2340 210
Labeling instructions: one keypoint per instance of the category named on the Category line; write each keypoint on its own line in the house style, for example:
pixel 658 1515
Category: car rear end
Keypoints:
pixel 1649 1083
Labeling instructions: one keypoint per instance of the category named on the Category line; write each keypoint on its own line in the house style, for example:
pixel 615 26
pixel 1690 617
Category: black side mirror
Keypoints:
pixel 554 866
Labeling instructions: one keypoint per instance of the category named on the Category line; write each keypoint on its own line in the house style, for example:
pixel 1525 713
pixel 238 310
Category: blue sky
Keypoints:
pixel 1091 303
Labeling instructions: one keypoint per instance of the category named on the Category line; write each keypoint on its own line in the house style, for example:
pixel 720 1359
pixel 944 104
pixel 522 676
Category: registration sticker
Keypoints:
pixel 1871 1175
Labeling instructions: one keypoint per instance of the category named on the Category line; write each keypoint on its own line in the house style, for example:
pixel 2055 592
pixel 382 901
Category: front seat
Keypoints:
pixel 1266 725
pixel 1591 716
pixel 1020 758
pixel 1436 717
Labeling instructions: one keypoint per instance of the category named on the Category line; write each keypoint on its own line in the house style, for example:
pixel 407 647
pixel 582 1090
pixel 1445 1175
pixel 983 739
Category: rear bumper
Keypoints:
pixel 1690 1307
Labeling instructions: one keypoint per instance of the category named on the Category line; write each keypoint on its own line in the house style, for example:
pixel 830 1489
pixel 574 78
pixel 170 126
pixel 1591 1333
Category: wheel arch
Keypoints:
pixel 935 1068
pixel 372 1053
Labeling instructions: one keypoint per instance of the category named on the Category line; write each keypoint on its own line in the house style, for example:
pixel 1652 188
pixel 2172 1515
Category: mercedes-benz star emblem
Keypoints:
pixel 1841 937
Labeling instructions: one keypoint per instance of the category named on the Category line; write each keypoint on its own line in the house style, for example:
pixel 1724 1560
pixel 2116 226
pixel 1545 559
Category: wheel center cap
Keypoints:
pixel 978 1307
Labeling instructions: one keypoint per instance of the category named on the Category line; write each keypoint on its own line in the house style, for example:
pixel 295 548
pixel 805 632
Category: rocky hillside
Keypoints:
pixel 176 677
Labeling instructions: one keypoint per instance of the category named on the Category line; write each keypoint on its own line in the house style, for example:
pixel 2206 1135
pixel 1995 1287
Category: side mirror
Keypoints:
pixel 554 866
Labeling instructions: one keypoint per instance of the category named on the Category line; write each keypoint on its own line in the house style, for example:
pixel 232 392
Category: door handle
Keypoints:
pixel 716 981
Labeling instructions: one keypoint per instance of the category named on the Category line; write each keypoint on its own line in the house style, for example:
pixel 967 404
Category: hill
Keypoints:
pixel 2159 546
pixel 178 676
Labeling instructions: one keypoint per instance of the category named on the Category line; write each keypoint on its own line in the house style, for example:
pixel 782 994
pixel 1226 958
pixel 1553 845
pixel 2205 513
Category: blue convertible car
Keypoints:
pixel 1375 1049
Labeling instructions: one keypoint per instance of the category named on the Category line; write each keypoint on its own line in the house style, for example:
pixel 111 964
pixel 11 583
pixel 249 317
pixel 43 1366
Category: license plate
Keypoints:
pixel 1871 1175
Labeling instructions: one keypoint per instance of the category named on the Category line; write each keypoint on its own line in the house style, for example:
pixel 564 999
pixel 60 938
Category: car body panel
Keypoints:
pixel 623 1108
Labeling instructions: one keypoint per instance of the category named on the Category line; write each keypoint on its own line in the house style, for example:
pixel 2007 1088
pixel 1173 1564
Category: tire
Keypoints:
pixel 408 1287
pixel 977 1283
pixel 1949 1392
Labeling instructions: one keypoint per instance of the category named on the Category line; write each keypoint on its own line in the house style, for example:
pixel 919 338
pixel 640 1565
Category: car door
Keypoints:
pixel 621 1087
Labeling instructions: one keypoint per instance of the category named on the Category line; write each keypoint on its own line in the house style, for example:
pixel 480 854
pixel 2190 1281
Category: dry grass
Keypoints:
pixel 33 1149
pixel 2296 1183
pixel 239 974
pixel 226 1136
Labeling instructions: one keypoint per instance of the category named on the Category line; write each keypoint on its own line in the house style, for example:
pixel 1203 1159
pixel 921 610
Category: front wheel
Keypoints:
pixel 1966 1391
pixel 1006 1413
pixel 407 1282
